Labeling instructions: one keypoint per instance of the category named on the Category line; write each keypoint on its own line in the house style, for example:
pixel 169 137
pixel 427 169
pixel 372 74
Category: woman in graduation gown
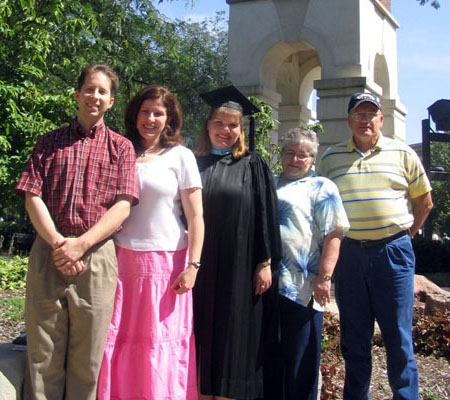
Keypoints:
pixel 235 304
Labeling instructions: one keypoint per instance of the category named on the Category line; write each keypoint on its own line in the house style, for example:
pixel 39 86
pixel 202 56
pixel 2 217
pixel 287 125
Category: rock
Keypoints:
pixel 435 298
pixel 435 303
pixel 423 286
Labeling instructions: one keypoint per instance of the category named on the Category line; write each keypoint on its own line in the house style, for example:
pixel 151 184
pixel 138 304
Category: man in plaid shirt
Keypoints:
pixel 79 185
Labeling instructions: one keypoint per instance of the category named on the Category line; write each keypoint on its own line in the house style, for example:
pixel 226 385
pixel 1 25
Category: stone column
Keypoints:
pixel 394 118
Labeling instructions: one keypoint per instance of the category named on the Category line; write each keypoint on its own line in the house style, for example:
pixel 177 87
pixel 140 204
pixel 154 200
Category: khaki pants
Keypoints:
pixel 67 321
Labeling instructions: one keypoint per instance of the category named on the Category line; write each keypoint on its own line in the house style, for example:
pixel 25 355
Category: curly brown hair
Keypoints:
pixel 170 136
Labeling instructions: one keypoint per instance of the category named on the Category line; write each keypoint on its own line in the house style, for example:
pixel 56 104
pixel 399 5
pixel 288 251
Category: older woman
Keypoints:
pixel 233 326
pixel 312 222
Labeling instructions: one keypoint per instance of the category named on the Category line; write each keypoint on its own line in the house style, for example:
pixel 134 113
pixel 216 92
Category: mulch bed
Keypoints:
pixel 434 372
pixel 434 376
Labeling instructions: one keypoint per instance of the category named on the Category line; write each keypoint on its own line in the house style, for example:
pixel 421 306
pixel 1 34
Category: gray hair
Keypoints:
pixel 302 137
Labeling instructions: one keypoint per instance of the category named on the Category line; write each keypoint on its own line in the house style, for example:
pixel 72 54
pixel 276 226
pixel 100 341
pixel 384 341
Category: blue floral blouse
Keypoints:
pixel 310 208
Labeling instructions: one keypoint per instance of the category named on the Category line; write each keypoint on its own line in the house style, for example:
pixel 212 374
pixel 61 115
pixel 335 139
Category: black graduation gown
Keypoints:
pixel 233 327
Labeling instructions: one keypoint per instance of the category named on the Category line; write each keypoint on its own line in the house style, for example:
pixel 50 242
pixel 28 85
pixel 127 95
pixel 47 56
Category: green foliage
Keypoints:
pixel 26 39
pixel 13 272
pixel 317 127
pixel 429 396
pixel 45 44
pixel 264 125
pixel 8 228
pixel 440 215
pixel 13 309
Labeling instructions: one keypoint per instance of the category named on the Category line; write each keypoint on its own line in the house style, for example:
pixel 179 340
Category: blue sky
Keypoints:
pixel 423 43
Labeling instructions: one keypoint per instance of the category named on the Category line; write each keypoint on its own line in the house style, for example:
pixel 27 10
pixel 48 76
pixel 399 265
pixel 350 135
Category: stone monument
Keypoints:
pixel 306 57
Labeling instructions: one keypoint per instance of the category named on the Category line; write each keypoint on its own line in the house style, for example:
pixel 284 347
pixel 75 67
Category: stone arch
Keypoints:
pixel 274 59
pixel 272 52
pixel 290 69
pixel 306 94
pixel 381 75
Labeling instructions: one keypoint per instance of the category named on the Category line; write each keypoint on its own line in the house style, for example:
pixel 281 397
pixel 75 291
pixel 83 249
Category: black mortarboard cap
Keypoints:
pixel 231 97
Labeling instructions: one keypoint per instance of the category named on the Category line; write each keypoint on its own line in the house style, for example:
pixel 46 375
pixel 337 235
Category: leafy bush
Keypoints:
pixel 265 123
pixel 13 272
pixel 431 334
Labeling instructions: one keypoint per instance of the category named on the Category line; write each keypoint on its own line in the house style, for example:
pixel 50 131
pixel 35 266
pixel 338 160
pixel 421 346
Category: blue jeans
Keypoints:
pixel 301 341
pixel 377 283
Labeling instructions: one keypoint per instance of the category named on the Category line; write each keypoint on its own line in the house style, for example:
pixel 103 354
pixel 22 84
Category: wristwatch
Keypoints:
pixel 195 264
pixel 326 277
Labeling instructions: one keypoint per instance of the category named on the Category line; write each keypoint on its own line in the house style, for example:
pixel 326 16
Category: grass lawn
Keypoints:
pixel 13 308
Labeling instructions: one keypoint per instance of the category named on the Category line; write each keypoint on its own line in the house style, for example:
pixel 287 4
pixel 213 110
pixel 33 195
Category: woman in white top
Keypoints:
pixel 150 351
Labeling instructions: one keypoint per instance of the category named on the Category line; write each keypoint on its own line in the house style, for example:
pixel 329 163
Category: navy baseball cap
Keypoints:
pixel 359 98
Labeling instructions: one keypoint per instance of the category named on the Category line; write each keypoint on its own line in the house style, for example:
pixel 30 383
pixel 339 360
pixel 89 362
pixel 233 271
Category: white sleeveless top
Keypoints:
pixel 155 223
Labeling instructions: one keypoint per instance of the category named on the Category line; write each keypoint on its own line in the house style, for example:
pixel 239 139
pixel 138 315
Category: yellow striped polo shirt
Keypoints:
pixel 376 187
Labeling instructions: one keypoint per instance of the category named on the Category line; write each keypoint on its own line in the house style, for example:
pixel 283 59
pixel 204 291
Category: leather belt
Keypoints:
pixel 378 242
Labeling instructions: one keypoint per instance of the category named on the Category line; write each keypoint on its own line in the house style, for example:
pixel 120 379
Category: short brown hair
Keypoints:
pixel 239 149
pixel 170 136
pixel 90 69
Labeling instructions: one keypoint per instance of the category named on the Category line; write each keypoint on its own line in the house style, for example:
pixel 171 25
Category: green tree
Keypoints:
pixel 44 45
pixel 26 108
pixel 440 156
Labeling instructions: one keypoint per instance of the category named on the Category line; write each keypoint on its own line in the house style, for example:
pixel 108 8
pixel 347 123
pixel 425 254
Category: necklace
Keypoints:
pixel 153 150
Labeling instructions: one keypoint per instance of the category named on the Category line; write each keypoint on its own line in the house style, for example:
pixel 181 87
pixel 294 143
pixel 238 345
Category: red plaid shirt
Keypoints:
pixel 79 177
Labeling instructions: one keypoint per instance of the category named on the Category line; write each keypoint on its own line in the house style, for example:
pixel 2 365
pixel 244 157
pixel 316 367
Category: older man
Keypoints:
pixel 387 198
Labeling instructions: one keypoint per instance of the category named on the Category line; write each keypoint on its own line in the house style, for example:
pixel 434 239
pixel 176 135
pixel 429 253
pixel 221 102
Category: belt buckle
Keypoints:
pixel 365 243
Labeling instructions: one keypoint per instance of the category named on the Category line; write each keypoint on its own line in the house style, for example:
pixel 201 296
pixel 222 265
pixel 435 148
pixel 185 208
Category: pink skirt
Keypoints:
pixel 150 349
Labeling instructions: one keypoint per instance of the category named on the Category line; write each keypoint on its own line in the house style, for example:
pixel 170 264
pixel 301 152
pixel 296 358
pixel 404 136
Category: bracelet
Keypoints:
pixel 195 264
pixel 265 263
pixel 326 277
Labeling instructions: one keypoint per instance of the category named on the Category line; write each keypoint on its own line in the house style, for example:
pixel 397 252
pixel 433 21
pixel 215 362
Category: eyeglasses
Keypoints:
pixel 292 154
pixel 366 116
